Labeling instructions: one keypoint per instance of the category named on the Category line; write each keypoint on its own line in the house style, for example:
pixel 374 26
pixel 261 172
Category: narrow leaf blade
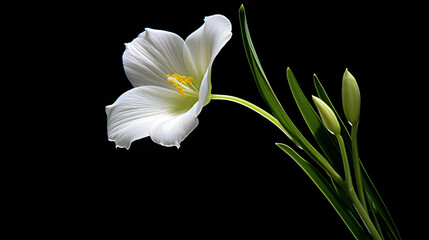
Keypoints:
pixel 330 193
pixel 325 139
pixel 380 208
pixel 261 80
pixel 269 96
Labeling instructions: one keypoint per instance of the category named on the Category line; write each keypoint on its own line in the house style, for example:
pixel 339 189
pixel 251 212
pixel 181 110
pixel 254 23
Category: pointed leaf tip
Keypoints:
pixel 241 9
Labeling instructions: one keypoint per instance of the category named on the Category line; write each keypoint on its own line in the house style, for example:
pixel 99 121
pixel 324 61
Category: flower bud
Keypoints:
pixel 328 116
pixel 351 98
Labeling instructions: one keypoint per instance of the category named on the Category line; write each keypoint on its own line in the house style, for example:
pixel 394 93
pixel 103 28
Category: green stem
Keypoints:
pixel 252 106
pixel 364 215
pixel 348 188
pixel 322 163
pixel 348 180
pixel 356 165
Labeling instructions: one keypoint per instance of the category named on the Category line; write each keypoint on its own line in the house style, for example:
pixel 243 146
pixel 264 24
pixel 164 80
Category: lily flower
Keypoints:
pixel 172 83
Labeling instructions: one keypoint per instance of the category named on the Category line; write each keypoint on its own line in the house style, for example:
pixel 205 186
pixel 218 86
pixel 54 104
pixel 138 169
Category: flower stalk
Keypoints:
pixel 356 166
pixel 253 107
pixel 348 176
pixel 363 213
pixel 321 162
pixel 348 188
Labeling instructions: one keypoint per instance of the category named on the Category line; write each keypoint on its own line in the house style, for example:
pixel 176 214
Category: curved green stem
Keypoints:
pixel 318 158
pixel 252 106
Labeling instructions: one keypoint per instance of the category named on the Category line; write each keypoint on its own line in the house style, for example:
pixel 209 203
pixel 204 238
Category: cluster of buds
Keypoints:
pixel 351 105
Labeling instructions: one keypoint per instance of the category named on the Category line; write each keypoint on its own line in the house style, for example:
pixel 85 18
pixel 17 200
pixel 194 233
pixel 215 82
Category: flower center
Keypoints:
pixel 181 83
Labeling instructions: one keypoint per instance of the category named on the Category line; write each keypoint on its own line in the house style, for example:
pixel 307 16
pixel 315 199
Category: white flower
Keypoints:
pixel 172 83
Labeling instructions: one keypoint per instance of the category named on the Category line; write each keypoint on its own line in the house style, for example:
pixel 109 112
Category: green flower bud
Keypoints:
pixel 328 116
pixel 351 98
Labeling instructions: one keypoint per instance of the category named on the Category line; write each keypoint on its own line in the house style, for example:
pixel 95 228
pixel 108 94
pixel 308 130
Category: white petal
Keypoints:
pixel 154 108
pixel 206 42
pixel 171 132
pixel 205 90
pixel 134 113
pixel 152 55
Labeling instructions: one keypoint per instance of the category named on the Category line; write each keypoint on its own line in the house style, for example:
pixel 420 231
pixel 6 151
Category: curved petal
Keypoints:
pixel 205 43
pixel 152 55
pixel 134 113
pixel 154 108
pixel 172 131
pixel 205 90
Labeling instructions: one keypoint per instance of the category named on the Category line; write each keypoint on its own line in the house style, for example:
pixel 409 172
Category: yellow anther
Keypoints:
pixel 190 80
pixel 183 80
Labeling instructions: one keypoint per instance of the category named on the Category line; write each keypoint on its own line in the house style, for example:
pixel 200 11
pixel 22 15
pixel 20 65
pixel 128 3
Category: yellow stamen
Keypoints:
pixel 183 80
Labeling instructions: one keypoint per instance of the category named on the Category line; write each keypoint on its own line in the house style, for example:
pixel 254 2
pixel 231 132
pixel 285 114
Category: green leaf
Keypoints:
pixel 270 98
pixel 348 214
pixel 378 207
pixel 372 196
pixel 261 80
pixel 324 138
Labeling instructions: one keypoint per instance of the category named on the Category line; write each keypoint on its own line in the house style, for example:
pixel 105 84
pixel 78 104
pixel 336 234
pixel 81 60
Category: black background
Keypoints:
pixel 228 179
